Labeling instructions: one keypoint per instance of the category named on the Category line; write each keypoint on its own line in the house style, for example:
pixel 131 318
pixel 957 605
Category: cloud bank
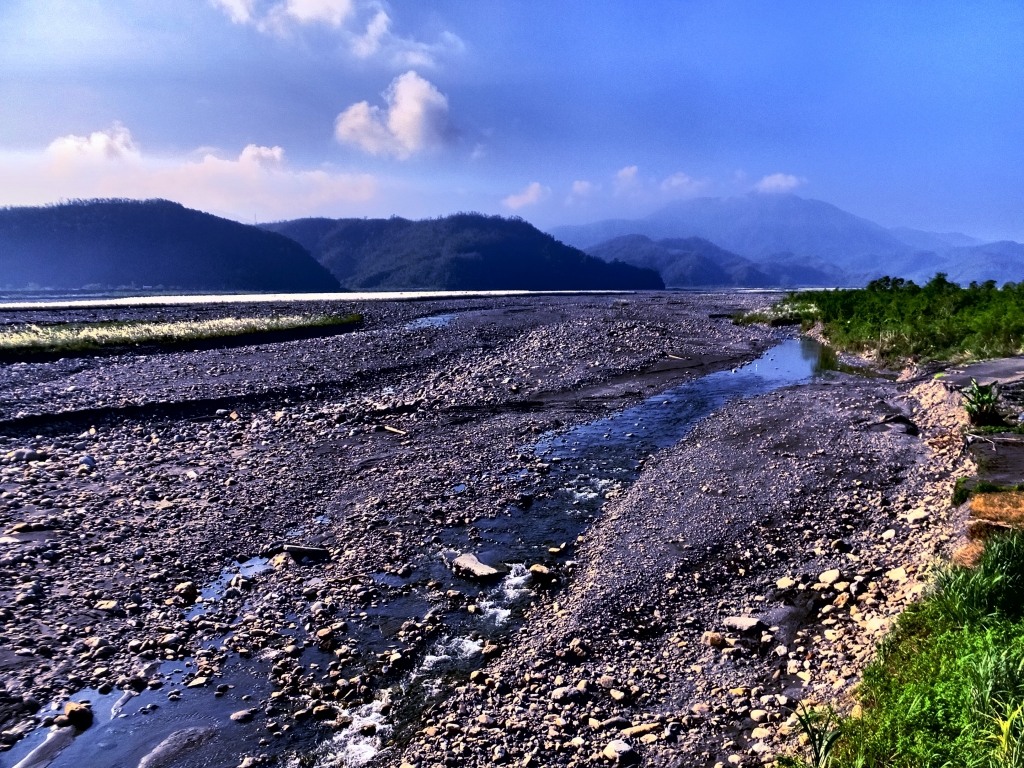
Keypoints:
pixel 258 181
pixel 416 120
pixel 364 26
pixel 778 182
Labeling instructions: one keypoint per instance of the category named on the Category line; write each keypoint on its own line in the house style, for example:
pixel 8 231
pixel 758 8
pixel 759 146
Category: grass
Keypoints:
pixel 897 320
pixel 84 337
pixel 947 687
pixel 965 487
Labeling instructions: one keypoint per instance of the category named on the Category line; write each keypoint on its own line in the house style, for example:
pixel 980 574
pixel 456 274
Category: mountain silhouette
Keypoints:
pixel 151 244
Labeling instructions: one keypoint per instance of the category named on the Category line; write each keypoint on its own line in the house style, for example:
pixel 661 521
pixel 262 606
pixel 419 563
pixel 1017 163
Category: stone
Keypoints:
pixel 714 639
pixel 307 554
pixel 898 575
pixel 242 716
pixel 917 515
pixel 640 730
pixel 78 715
pixel 187 591
pixel 468 565
pixel 617 749
pixel 785 583
pixel 107 606
pixel 830 576
pixel 743 624
pixel 567 693
pixel 541 573
pixel 324 712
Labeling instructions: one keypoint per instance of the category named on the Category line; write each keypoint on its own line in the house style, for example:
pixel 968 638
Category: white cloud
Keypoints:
pixel 331 12
pixel 778 182
pixel 363 25
pixel 239 11
pixel 682 185
pixel 580 191
pixel 368 44
pixel 533 194
pixel 110 164
pixel 626 180
pixel 416 120
pixel 115 144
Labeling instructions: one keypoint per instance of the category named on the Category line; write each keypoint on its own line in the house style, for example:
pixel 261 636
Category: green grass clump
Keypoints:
pixel 981 402
pixel 947 688
pixel 84 337
pixel 898 320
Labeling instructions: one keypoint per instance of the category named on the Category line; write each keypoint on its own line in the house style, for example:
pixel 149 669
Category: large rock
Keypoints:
pixel 307 554
pixel 567 693
pixel 619 750
pixel 187 591
pixel 743 624
pixel 78 715
pixel 468 565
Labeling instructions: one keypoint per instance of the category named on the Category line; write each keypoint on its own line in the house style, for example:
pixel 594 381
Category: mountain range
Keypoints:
pixel 756 240
pixel 465 251
pixel 781 233
pixel 156 244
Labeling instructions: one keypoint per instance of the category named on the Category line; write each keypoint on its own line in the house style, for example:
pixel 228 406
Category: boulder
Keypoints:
pixel 187 591
pixel 468 565
pixel 743 624
pixel 78 715
pixel 619 750
pixel 307 554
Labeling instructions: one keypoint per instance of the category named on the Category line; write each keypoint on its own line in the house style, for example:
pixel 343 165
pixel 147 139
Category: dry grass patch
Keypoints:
pixel 1006 508
pixel 84 337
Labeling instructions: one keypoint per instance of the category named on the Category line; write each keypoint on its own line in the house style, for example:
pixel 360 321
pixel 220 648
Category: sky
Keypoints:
pixel 905 113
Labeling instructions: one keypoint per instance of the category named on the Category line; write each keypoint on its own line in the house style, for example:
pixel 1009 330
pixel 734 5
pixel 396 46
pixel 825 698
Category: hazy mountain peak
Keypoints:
pixel 933 241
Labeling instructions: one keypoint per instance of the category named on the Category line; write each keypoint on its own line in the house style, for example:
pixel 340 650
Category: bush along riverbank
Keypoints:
pixel 894 320
pixel 946 687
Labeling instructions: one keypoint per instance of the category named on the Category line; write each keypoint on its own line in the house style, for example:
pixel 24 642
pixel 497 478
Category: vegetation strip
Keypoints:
pixel 65 338
pixel 895 320
pixel 947 688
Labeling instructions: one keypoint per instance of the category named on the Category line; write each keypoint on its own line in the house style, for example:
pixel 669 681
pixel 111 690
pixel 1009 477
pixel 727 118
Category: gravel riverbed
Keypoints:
pixel 252 555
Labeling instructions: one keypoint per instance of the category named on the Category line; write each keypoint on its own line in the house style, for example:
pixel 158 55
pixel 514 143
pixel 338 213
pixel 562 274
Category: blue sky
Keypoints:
pixel 906 113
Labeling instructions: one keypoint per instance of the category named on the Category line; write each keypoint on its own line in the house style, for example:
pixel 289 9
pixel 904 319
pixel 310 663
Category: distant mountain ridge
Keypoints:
pixel 465 251
pixel 694 263
pixel 151 243
pixel 788 231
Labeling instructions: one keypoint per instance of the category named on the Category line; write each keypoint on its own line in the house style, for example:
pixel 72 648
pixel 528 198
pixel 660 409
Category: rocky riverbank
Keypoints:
pixel 751 567
pixel 133 487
